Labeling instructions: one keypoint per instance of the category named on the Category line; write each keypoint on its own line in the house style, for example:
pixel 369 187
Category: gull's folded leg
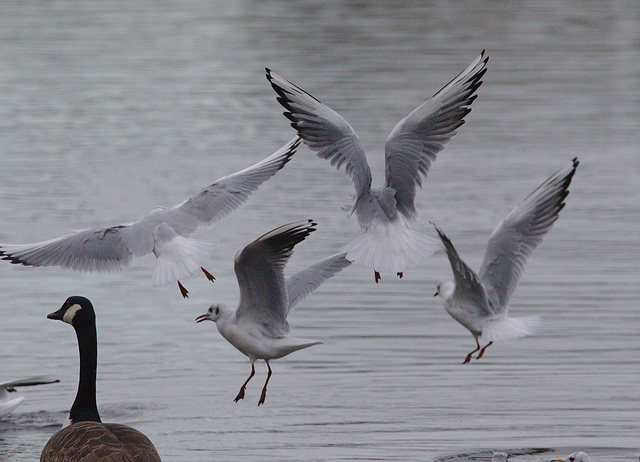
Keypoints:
pixel 482 351
pixel 376 276
pixel 183 291
pixel 208 275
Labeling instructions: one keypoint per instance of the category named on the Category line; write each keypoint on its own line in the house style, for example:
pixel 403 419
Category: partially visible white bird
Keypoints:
pixel 480 301
pixel 499 457
pixel 258 328
pixel 163 232
pixel 575 457
pixel 7 402
pixel 388 244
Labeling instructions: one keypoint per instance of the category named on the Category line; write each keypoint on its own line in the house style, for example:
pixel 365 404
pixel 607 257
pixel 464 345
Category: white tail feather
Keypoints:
pixel 287 345
pixel 505 328
pixel 391 247
pixel 180 257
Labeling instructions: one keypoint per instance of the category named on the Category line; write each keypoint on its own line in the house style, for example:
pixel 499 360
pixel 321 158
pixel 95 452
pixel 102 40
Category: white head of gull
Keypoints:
pixel 480 301
pixel 258 327
pixel 387 244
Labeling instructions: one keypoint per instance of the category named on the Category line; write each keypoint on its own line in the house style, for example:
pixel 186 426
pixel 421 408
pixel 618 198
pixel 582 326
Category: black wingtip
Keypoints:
pixel 441 234
pixel 13 259
pixel 290 152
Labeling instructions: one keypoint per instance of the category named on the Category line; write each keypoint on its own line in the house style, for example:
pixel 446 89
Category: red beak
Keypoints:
pixel 202 317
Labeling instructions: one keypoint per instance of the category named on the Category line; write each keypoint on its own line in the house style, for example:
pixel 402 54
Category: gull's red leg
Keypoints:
pixel 400 274
pixel 376 276
pixel 264 389
pixel 183 291
pixel 468 358
pixel 208 275
pixel 244 385
pixel 482 351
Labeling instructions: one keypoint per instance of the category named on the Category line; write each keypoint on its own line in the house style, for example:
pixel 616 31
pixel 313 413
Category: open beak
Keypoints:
pixel 203 317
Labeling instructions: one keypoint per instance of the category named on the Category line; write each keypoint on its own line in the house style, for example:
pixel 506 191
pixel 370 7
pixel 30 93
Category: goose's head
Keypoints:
pixel 575 457
pixel 75 310
pixel 214 312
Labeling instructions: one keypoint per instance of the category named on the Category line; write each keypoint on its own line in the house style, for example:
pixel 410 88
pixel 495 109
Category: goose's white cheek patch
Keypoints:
pixel 70 313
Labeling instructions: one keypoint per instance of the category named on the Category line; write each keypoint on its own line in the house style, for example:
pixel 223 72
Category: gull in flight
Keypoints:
pixel 388 244
pixel 163 232
pixel 258 328
pixel 480 301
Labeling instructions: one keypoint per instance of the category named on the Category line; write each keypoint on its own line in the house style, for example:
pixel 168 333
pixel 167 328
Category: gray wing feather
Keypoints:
pixel 31 381
pixel 225 195
pixel 514 239
pixel 416 140
pixel 468 285
pixel 259 268
pixel 323 130
pixel 306 281
pixel 95 249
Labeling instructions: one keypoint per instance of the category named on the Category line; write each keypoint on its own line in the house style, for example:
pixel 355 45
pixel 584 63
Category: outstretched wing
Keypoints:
pixel 324 131
pixel 95 249
pixel 520 232
pixel 30 382
pixel 416 140
pixel 112 248
pixel 309 279
pixel 468 288
pixel 260 271
pixel 225 195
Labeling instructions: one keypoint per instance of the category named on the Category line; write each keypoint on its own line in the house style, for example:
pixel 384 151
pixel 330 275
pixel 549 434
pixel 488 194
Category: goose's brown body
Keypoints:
pixel 95 441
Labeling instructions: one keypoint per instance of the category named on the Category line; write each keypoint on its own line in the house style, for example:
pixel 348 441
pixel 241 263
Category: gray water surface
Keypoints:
pixel 110 109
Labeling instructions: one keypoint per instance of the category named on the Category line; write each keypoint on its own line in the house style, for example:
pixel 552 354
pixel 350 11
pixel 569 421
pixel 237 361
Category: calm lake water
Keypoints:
pixel 109 109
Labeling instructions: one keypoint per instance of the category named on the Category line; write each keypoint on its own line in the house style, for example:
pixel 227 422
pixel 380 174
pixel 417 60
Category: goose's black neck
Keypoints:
pixel 84 407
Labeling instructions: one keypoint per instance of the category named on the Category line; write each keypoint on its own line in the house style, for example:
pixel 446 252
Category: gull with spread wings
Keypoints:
pixel 480 301
pixel 165 232
pixel 388 244
pixel 258 328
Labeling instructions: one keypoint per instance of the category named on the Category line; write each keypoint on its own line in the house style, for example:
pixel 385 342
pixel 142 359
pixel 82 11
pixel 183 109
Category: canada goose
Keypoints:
pixel 480 301
pixel 7 402
pixel 163 232
pixel 84 438
pixel 387 244
pixel 258 327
